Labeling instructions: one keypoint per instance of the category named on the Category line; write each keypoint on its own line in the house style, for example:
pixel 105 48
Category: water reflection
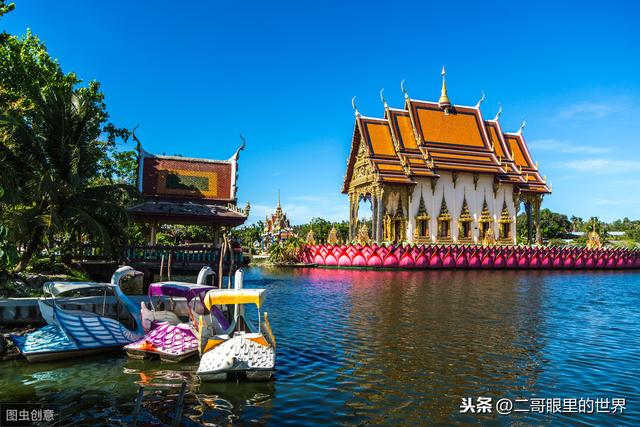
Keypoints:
pixel 386 348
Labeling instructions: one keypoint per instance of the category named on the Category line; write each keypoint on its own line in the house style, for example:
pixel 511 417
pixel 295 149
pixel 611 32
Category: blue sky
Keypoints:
pixel 195 75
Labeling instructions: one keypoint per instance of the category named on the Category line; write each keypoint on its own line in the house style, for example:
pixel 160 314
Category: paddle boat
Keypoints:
pixel 166 334
pixel 240 347
pixel 72 333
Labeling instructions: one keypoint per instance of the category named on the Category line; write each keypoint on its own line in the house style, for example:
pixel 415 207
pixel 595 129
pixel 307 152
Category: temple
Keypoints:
pixel 276 228
pixel 190 191
pixel 435 172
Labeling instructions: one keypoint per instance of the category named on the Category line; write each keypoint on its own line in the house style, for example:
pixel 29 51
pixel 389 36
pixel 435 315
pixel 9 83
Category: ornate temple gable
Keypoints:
pixel 186 178
pixel 403 135
pixel 533 181
pixel 456 140
pixel 503 152
pixel 351 161
pixel 373 156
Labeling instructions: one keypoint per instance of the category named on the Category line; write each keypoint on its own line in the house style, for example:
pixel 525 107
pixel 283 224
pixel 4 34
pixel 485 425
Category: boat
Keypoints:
pixel 240 348
pixel 166 334
pixel 79 332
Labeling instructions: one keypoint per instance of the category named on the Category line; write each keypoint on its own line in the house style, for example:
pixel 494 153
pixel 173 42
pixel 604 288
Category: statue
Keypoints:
pixel 594 241
pixel 363 235
pixel 311 239
pixel 489 238
pixel 332 238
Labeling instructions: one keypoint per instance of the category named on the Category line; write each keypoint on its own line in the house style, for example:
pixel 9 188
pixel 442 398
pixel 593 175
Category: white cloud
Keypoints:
pixel 566 147
pixel 589 110
pixel 603 201
pixel 603 166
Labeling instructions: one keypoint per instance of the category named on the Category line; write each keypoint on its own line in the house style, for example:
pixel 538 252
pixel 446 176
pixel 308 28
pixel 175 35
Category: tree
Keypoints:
pixel 56 148
pixel 553 225
pixel 248 234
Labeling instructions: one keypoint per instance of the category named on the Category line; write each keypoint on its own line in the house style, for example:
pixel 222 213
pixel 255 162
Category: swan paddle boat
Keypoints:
pixel 73 333
pixel 167 335
pixel 240 347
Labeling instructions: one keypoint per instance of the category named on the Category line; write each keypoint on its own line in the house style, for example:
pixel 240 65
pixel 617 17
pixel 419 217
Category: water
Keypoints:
pixel 386 348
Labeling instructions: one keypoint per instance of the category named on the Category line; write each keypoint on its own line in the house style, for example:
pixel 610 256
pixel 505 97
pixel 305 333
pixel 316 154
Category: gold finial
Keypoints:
pixel 545 179
pixel 406 94
pixel 444 101
pixel 481 99
pixel 384 101
pixel 495 119
pixel 278 198
pixel 355 109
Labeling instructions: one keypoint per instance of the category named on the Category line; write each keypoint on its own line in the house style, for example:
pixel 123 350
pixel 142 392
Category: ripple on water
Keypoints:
pixel 385 347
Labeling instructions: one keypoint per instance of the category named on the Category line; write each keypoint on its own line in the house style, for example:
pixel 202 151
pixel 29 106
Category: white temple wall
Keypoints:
pixel 454 195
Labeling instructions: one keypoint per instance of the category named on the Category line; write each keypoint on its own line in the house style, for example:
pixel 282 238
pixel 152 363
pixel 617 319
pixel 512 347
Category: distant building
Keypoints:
pixel 190 191
pixel 435 172
pixel 276 228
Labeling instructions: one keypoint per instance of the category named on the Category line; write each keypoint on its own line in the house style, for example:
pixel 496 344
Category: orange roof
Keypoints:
pixel 455 141
pixel 503 152
pixel 523 160
pixel 422 138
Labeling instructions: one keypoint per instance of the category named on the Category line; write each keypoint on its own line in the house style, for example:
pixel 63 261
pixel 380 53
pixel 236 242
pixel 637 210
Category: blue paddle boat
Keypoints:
pixel 72 333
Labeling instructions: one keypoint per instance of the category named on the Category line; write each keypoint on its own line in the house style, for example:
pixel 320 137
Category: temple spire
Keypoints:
pixel 278 199
pixel 444 101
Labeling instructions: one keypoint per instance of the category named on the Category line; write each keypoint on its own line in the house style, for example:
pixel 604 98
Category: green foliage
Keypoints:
pixel 6 8
pixel 176 234
pixel 59 155
pixel 8 251
pixel 321 228
pixel 553 225
pixel 248 234
pixel 287 252
pixel 556 242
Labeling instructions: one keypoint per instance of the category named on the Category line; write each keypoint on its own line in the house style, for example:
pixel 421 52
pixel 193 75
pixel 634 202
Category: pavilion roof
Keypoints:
pixel 425 138
pixel 187 212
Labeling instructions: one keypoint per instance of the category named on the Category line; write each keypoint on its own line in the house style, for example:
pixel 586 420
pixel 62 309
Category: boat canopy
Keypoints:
pixel 234 296
pixel 57 288
pixel 178 289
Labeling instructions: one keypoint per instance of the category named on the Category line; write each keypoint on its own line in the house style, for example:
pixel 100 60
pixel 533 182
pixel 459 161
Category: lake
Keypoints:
pixel 387 348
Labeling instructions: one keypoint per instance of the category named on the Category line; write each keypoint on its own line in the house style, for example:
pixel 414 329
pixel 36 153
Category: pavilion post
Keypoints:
pixel 527 207
pixel 152 235
pixel 374 217
pixel 538 203
pixel 378 224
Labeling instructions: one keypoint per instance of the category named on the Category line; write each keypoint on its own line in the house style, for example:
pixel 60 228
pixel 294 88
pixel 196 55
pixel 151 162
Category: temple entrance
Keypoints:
pixel 363 216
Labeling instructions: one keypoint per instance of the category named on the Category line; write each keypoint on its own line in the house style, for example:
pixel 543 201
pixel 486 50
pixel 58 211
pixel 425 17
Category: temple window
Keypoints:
pixel 505 224
pixel 464 221
pixel 444 223
pixel 421 233
pixel 485 220
pixel 395 225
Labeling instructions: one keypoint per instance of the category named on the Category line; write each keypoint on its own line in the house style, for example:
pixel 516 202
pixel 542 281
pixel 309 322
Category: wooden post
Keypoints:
pixel 136 407
pixel 161 266
pixel 179 405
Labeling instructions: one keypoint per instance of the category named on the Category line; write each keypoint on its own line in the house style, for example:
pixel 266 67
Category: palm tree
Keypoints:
pixel 51 152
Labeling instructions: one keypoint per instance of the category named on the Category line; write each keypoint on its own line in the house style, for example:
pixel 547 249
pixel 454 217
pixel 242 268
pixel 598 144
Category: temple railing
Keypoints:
pixel 181 255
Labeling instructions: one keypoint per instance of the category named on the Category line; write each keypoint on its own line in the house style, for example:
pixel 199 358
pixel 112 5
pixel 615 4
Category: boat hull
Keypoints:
pixel 51 343
pixel 250 354
pixel 172 343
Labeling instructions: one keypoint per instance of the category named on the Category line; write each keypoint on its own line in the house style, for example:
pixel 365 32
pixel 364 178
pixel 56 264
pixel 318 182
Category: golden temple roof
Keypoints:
pixel 425 137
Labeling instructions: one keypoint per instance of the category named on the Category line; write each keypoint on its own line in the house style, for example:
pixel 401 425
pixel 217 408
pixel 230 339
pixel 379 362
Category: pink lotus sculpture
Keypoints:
pixel 470 257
